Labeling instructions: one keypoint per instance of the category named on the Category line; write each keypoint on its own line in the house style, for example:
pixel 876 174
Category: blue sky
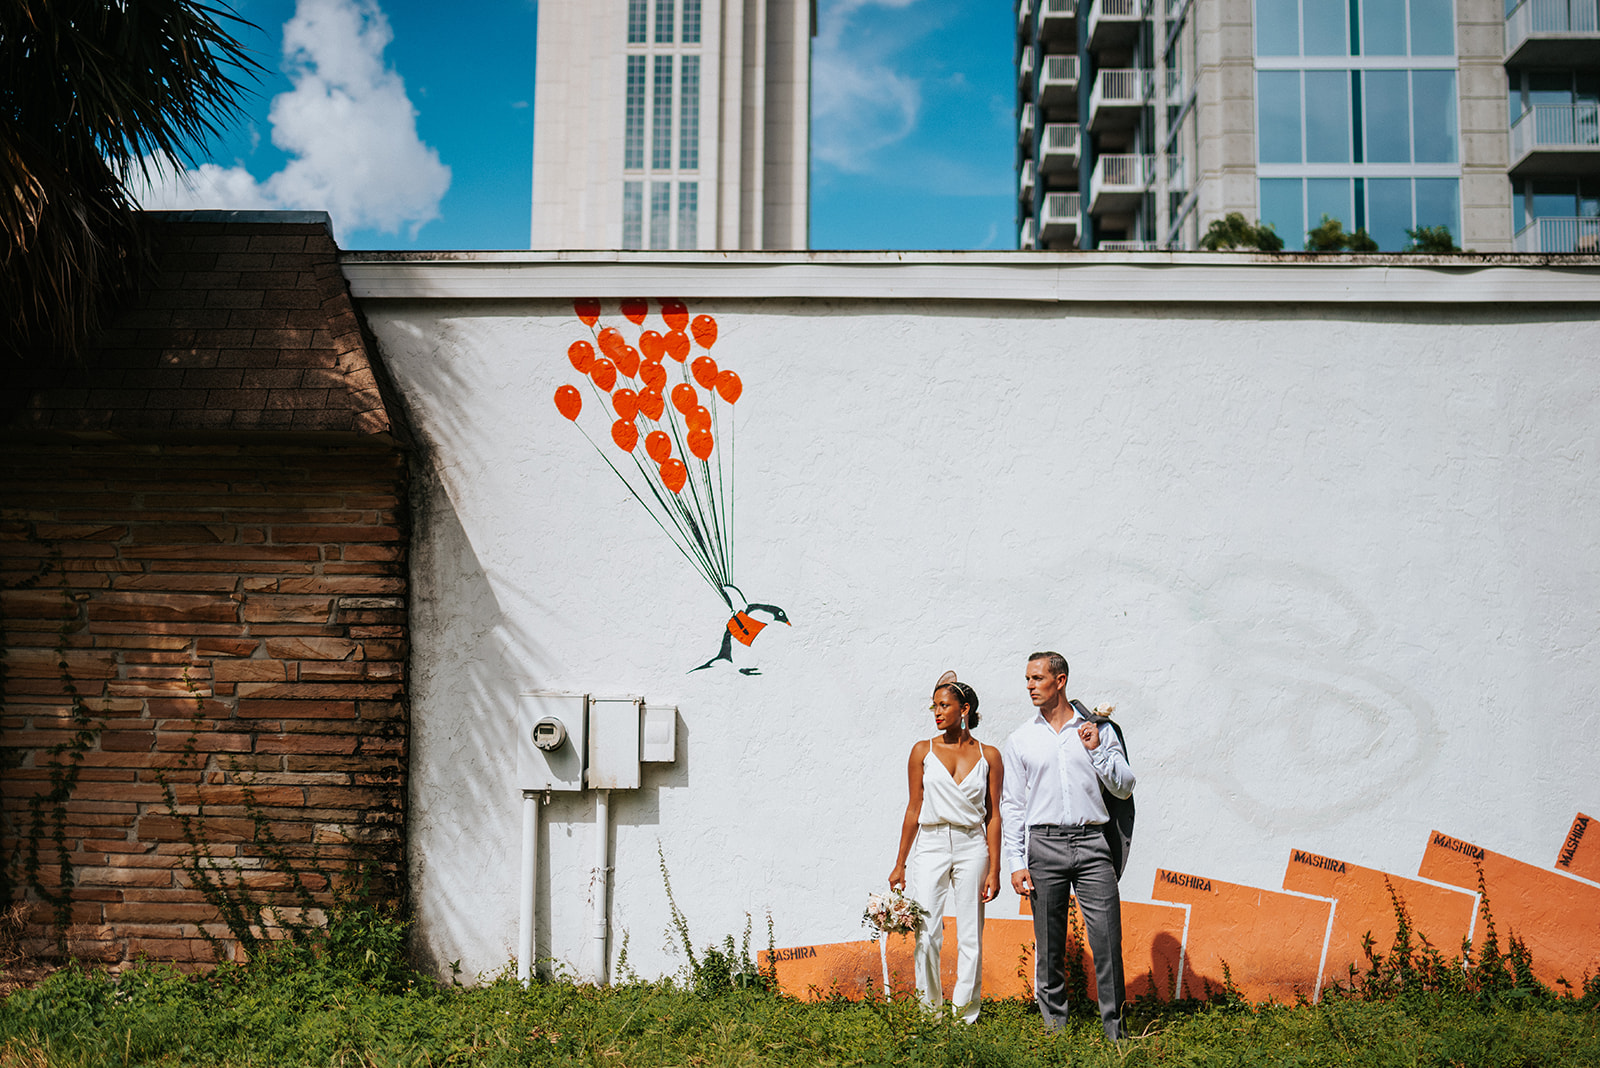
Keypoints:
pixel 911 123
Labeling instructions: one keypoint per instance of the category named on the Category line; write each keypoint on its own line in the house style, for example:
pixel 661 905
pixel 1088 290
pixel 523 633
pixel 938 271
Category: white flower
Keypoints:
pixel 1104 710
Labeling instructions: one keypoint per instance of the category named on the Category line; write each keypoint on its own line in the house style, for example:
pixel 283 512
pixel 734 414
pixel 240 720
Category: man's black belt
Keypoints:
pixel 1066 828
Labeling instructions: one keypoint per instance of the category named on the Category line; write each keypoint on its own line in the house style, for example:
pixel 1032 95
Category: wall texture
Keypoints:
pixel 1329 557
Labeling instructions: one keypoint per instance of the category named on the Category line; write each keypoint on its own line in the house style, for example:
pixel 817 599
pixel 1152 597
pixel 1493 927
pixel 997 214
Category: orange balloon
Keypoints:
pixel 569 402
pixel 612 342
pixel 634 309
pixel 588 310
pixel 697 419
pixel 684 398
pixel 625 434
pixel 729 386
pixel 653 346
pixel 604 373
pixel 676 314
pixel 653 375
pixel 674 474
pixel 705 331
pixel 658 445
pixel 581 353
pixel 704 370
pixel 700 443
pixel 678 345
pixel 626 403
pixel 628 362
pixel 652 404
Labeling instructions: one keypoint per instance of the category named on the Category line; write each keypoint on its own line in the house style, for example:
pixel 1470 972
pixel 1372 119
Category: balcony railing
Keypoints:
pixel 1058 148
pixel 1123 172
pixel 1114 20
pixel 1025 124
pixel 1025 179
pixel 1558 17
pixel 1058 220
pixel 1024 9
pixel 1058 81
pixel 1056 15
pixel 1556 126
pixel 1116 92
pixel 1025 66
pixel 1560 235
pixel 1025 239
pixel 1125 246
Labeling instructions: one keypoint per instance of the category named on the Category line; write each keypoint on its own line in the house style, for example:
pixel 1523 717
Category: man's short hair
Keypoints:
pixel 1058 663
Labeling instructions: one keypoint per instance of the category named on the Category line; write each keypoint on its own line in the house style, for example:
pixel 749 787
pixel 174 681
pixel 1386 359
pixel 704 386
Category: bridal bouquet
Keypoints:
pixel 892 913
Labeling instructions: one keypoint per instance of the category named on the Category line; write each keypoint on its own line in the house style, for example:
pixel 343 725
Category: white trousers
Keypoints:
pixel 945 873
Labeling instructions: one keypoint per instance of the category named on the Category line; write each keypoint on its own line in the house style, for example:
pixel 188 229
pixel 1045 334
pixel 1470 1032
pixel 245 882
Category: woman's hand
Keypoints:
pixel 897 879
pixel 991 886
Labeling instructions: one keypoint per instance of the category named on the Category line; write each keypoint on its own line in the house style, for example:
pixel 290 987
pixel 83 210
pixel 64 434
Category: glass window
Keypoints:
pixel 1389 212
pixel 1553 198
pixel 1278 101
pixel 1439 204
pixel 638 17
pixel 1549 87
pixel 1283 209
pixel 660 215
pixel 661 116
pixel 1277 27
pixel 691 23
pixel 689 113
pixel 633 122
pixel 1433 116
pixel 1327 27
pixel 632 214
pixel 1330 197
pixel 1388 125
pixel 664 13
pixel 1383 28
pixel 1433 27
pixel 688 215
pixel 1327 116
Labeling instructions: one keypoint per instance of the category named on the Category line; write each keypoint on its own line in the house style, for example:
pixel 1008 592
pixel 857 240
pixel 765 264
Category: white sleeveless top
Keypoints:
pixel 961 804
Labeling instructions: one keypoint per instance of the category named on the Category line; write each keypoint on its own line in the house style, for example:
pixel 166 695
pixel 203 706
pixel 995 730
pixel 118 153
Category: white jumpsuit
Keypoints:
pixel 945 872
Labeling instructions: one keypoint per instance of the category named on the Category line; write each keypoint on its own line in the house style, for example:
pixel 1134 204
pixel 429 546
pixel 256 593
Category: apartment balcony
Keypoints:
pixel 1058 82
pixel 1560 235
pixel 1556 139
pixel 1024 12
pixel 1119 182
pixel 1025 180
pixel 1058 149
pixel 1553 33
pixel 1058 21
pixel 1126 246
pixel 1114 23
pixel 1025 239
pixel 1025 70
pixel 1059 219
pixel 1025 125
pixel 1118 96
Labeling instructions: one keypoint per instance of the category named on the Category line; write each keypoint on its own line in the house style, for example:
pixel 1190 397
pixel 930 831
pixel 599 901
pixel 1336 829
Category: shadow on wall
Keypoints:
pixel 1280 945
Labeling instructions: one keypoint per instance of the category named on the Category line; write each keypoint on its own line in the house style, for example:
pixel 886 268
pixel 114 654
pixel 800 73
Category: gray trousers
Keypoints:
pixel 1061 861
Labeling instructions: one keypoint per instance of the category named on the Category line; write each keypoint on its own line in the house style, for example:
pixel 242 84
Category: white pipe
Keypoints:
pixel 599 881
pixel 530 865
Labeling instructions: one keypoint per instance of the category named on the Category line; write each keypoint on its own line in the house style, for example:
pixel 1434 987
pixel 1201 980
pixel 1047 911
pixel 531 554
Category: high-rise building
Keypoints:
pixel 672 124
pixel 1142 121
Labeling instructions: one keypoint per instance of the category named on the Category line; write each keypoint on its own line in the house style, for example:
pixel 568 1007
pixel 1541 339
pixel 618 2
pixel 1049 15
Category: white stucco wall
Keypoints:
pixel 1334 562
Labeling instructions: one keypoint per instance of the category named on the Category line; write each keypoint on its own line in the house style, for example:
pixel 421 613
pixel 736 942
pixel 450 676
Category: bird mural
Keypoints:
pixel 677 440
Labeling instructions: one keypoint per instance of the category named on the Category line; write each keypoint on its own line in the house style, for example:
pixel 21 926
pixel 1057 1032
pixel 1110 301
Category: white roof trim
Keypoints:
pixel 1145 278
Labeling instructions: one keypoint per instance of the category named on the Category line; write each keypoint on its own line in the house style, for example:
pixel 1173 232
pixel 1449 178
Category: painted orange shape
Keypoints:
pixel 848 969
pixel 728 386
pixel 743 628
pixel 581 353
pixel 569 402
pixel 604 373
pixel 612 342
pixel 658 446
pixel 1152 952
pixel 652 404
pixel 1442 914
pixel 652 346
pixel 588 310
pixel 1555 915
pixel 697 418
pixel 704 329
pixel 625 402
pixel 675 313
pixel 628 361
pixel 653 375
pixel 625 434
pixel 704 370
pixel 1580 853
pixel 677 344
pixel 700 443
pixel 1271 942
pixel 684 398
pixel 674 475
pixel 634 309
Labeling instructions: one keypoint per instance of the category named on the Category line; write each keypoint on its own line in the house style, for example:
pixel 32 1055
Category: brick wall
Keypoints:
pixel 232 619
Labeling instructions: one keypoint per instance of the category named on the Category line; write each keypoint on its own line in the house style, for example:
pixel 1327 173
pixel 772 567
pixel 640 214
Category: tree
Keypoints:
pixel 1329 236
pixel 1434 240
pixel 1233 231
pixel 91 92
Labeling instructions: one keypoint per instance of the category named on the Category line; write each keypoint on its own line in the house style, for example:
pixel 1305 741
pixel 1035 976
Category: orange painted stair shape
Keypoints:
pixel 849 969
pixel 1152 951
pixel 1580 853
pixel 1271 942
pixel 1556 916
pixel 1363 906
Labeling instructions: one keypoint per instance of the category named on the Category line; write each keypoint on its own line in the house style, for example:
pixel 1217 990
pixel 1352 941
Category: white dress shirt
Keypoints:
pixel 1052 778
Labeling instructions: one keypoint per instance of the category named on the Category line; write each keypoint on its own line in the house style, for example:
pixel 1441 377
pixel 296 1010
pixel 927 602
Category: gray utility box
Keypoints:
pixel 575 741
pixel 559 768
pixel 615 724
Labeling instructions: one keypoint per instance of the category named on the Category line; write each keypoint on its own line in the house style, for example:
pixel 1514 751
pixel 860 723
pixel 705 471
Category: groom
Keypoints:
pixel 1052 810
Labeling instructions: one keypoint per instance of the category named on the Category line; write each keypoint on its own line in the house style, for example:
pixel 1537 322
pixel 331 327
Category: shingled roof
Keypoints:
pixel 248 326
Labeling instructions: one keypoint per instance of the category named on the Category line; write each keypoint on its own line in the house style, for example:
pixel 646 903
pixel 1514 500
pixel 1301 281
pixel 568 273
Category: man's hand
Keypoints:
pixel 1089 735
pixel 1022 882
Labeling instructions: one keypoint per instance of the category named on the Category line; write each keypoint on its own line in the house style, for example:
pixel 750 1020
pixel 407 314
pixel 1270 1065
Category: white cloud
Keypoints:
pixel 859 102
pixel 347 125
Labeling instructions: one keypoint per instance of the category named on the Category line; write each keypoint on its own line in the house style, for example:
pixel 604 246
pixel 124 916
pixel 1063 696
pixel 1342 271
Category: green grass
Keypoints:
pixel 315 1013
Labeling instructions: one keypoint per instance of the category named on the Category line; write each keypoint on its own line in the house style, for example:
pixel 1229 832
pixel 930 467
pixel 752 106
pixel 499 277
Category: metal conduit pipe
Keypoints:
pixel 530 865
pixel 600 882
